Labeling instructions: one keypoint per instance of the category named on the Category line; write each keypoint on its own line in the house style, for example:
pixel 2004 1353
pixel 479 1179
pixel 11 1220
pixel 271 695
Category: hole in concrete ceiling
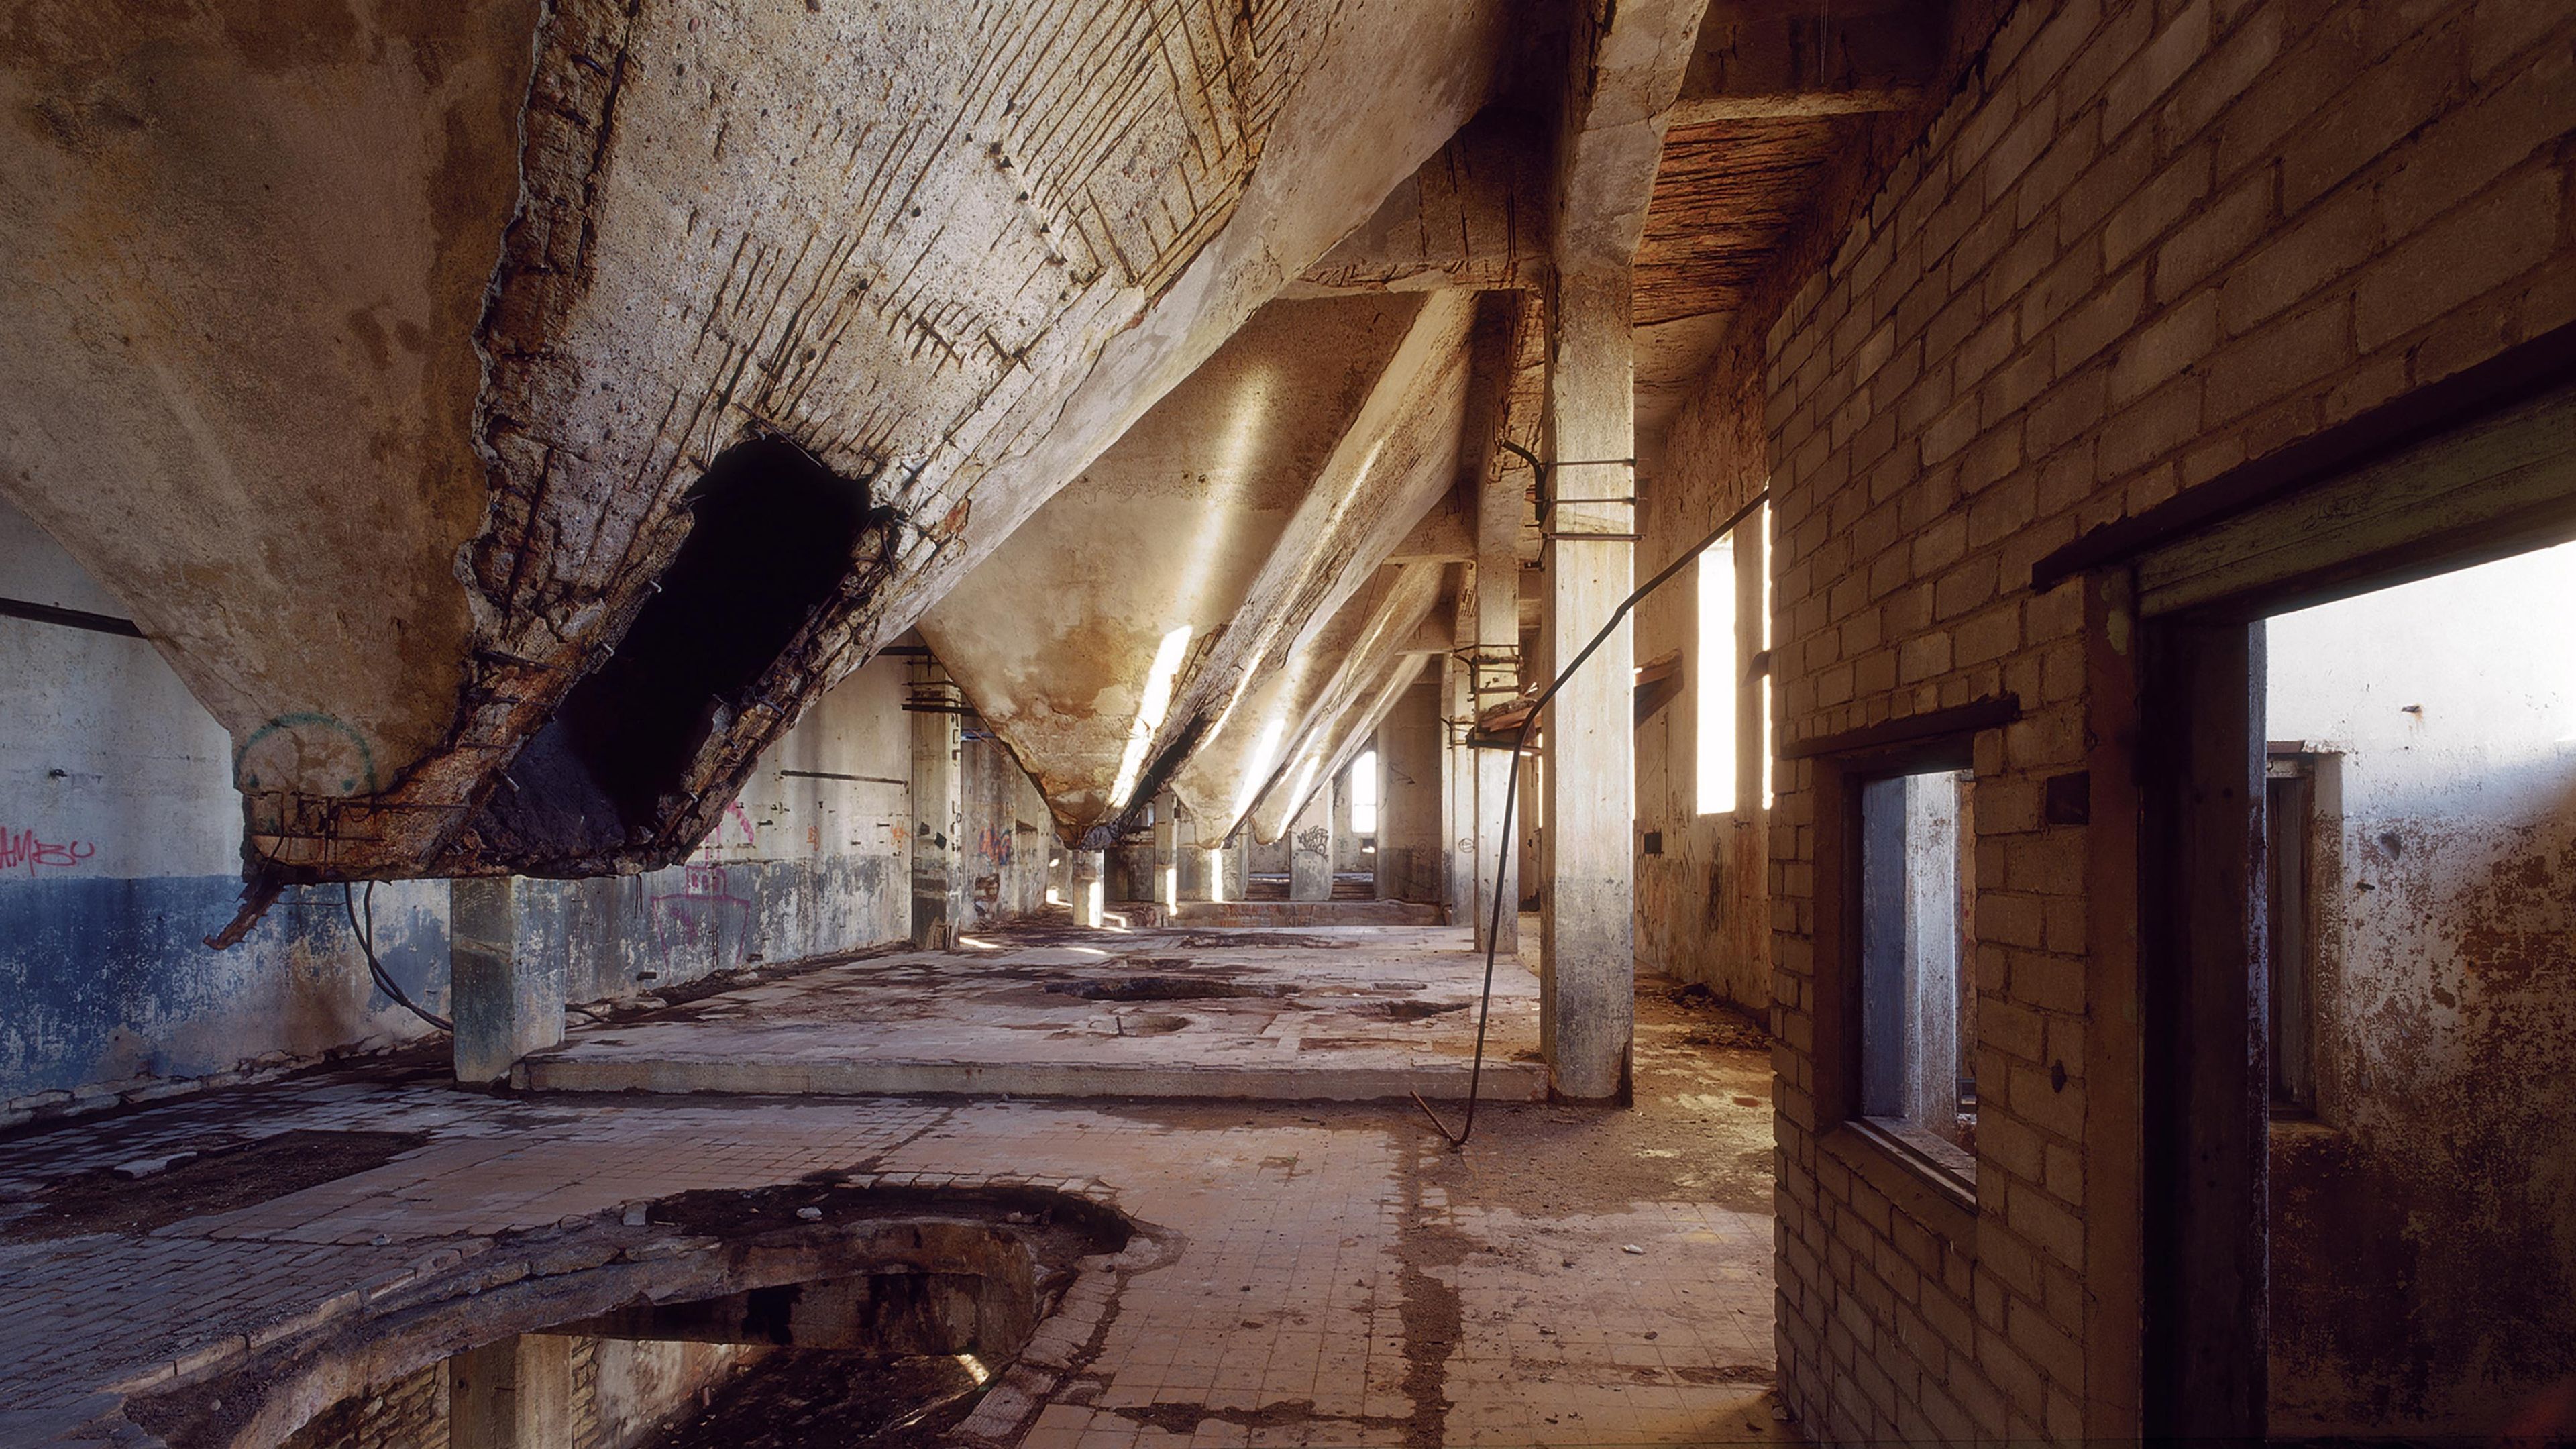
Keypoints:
pixel 770 541
pixel 138 1196
pixel 1160 988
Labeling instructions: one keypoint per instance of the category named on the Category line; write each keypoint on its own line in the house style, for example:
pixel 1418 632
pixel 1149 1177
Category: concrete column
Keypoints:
pixel 515 1394
pixel 1198 866
pixel 1167 854
pixel 938 820
pixel 1587 978
pixel 1458 773
pixel 1310 848
pixel 1346 841
pixel 506 1002
pixel 1085 890
pixel 1499 510
pixel 1233 881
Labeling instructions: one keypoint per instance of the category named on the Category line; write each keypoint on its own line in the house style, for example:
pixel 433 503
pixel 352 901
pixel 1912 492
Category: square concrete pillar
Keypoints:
pixel 938 820
pixel 1167 854
pixel 1197 865
pixel 515 1394
pixel 1310 848
pixel 1233 879
pixel 1494 674
pixel 1587 983
pixel 506 1000
pixel 1458 771
pixel 1089 866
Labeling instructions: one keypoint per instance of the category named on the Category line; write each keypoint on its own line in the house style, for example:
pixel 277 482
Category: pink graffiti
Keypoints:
pixel 21 847
pixel 742 818
pixel 698 913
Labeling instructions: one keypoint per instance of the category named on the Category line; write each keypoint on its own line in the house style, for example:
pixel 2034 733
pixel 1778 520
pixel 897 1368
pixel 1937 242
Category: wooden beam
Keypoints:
pixel 1703 110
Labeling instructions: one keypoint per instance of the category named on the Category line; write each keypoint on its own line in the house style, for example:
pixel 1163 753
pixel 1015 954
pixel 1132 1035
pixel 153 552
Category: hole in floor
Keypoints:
pixel 921 1298
pixel 137 1197
pixel 1150 1023
pixel 771 539
pixel 1419 1010
pixel 1160 988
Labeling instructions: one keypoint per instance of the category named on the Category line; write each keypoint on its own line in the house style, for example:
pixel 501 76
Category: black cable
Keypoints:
pixel 1512 795
pixel 385 983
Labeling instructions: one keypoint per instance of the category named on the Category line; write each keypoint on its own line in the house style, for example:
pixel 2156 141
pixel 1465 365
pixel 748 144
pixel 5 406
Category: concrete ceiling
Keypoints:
pixel 423 382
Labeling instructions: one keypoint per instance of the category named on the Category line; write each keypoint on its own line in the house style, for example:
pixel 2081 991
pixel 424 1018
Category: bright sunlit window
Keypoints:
pixel 1364 794
pixel 1715 680
pixel 1770 550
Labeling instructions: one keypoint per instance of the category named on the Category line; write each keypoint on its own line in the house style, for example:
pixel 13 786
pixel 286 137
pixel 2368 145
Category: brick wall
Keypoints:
pixel 409 1413
pixel 2144 243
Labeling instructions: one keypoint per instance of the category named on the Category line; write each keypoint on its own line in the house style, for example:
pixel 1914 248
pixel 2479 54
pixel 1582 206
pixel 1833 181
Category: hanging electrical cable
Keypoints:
pixel 385 983
pixel 1512 790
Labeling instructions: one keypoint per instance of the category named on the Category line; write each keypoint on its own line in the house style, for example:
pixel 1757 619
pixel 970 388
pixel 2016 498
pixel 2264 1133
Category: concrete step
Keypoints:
pixel 752 1074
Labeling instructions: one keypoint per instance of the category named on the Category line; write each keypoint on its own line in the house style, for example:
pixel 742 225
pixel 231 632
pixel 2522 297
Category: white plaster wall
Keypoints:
pixel 2425 1238
pixel 120 848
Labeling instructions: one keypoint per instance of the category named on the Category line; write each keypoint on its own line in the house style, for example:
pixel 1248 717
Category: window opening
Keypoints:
pixel 1364 794
pixel 1719 678
pixel 1770 549
pixel 2289 847
pixel 1918 977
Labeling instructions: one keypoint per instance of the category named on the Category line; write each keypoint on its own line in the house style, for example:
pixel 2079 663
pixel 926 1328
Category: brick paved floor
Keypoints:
pixel 1335 1275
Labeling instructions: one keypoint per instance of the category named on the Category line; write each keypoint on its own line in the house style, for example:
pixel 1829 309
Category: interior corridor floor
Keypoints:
pixel 1044 1008
pixel 1308 1273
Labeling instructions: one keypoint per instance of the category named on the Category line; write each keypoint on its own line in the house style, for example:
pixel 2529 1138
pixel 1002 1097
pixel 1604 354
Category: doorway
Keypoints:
pixel 2307 1044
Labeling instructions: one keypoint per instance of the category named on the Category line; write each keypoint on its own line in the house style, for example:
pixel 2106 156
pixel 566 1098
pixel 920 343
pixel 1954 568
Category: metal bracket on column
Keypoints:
pixel 1542 468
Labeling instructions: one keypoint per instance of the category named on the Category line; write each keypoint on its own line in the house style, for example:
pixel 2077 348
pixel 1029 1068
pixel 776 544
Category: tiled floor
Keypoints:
pixel 1331 1274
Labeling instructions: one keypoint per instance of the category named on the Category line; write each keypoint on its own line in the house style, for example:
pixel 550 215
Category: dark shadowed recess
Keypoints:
pixel 770 541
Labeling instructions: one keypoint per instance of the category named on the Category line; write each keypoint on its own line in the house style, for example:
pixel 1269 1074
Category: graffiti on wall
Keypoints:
pixel 698 915
pixel 23 848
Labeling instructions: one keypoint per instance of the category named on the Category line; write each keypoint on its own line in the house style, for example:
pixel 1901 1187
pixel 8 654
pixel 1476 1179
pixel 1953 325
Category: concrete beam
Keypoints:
pixel 1459 221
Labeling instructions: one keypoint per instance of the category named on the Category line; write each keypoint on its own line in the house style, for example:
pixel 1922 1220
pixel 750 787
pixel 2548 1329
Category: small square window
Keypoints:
pixel 1917 964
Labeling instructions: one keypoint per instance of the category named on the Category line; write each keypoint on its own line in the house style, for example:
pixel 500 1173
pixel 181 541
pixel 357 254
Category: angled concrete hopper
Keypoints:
pixel 374 357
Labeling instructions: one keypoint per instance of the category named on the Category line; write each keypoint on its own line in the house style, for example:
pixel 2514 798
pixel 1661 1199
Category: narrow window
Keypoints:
pixel 1918 996
pixel 2288 826
pixel 1717 678
pixel 1770 547
pixel 1364 794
